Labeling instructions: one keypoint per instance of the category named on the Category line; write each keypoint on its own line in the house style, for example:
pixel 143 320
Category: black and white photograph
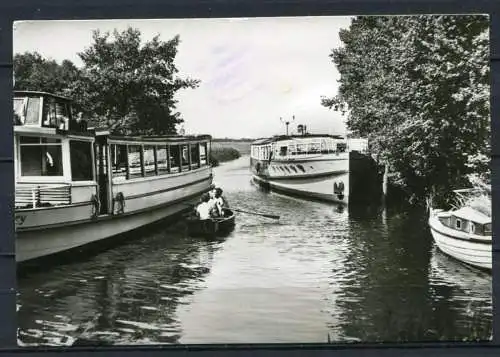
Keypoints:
pixel 316 179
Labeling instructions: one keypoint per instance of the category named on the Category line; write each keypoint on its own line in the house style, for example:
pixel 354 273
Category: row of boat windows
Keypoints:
pixel 472 227
pixel 323 147
pixel 44 157
pixel 132 161
pixel 467 226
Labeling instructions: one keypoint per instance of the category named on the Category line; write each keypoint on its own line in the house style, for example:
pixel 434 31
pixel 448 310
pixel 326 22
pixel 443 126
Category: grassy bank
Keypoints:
pixel 243 146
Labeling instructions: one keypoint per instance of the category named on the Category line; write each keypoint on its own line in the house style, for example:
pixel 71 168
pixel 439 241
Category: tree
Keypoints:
pixel 33 72
pixel 130 88
pixel 417 87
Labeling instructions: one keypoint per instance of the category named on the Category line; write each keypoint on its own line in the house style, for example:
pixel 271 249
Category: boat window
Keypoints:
pixel 314 148
pixel 324 146
pixel 40 156
pixel 185 157
pixel 301 168
pixel 472 227
pixel 174 158
pixel 195 155
pixel 458 223
pixel 341 147
pixel 293 168
pixel 81 160
pixel 19 111
pixel 134 161
pixel 283 150
pixel 301 149
pixel 31 115
pixel 149 160
pixel 161 159
pixel 203 153
pixel 55 114
pixel 487 228
pixel 119 161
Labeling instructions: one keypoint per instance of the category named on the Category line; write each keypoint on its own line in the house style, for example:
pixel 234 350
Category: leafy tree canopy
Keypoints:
pixel 124 85
pixel 33 72
pixel 418 88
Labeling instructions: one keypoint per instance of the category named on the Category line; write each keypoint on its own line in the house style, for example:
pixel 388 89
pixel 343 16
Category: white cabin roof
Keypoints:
pixel 473 215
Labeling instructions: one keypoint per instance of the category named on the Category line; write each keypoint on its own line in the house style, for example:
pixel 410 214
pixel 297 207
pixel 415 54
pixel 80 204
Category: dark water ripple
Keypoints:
pixel 318 272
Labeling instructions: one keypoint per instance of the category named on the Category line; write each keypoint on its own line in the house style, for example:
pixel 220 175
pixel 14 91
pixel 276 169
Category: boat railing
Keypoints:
pixel 358 144
pixel 467 192
pixel 33 196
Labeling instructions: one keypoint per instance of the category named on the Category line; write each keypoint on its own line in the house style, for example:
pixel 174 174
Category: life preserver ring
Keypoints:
pixel 96 206
pixel 120 200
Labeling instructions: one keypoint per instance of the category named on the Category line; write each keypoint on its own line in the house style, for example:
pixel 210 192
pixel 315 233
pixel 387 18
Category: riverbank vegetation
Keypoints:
pixel 223 154
pixel 242 146
pixel 418 88
pixel 226 149
pixel 125 84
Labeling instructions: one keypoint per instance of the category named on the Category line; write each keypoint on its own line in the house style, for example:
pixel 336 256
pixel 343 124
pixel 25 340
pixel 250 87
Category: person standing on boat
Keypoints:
pixel 203 209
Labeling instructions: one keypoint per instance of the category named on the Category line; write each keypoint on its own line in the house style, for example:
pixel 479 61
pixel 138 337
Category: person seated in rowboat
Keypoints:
pixel 203 209
pixel 220 202
pixel 221 198
pixel 215 209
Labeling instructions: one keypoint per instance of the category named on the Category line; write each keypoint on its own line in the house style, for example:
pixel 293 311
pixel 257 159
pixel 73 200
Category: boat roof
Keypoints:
pixel 471 214
pixel 289 137
pixel 160 139
pixel 39 93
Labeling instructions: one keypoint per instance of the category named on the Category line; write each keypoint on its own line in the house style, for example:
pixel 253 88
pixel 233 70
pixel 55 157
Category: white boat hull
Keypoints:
pixel 33 244
pixel 474 252
pixel 321 188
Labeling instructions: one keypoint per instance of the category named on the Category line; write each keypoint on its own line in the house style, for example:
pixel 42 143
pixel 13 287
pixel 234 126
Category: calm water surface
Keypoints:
pixel 319 272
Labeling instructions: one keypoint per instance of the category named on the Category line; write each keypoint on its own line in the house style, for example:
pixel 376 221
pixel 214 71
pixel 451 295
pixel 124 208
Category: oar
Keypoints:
pixel 257 214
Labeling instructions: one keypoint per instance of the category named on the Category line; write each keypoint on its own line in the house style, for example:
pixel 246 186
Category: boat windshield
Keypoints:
pixel 27 110
pixel 52 113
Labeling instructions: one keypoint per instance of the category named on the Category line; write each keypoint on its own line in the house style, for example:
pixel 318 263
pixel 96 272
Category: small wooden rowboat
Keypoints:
pixel 213 226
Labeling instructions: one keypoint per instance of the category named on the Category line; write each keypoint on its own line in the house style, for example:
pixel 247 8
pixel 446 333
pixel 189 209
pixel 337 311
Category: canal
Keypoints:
pixel 319 272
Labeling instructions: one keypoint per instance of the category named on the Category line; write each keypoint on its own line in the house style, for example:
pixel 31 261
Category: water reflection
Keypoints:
pixel 127 295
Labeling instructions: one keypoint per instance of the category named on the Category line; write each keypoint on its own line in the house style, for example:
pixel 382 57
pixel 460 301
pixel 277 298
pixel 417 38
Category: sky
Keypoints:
pixel 253 70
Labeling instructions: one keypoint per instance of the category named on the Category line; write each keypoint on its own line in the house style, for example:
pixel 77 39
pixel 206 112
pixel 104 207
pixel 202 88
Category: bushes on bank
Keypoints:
pixel 223 154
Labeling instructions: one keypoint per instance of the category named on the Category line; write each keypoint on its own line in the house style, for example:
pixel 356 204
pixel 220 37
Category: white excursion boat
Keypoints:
pixel 75 186
pixel 463 233
pixel 317 166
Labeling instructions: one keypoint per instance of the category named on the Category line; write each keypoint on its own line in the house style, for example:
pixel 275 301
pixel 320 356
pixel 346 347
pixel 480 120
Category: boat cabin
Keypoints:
pixel 467 220
pixel 290 147
pixel 59 161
